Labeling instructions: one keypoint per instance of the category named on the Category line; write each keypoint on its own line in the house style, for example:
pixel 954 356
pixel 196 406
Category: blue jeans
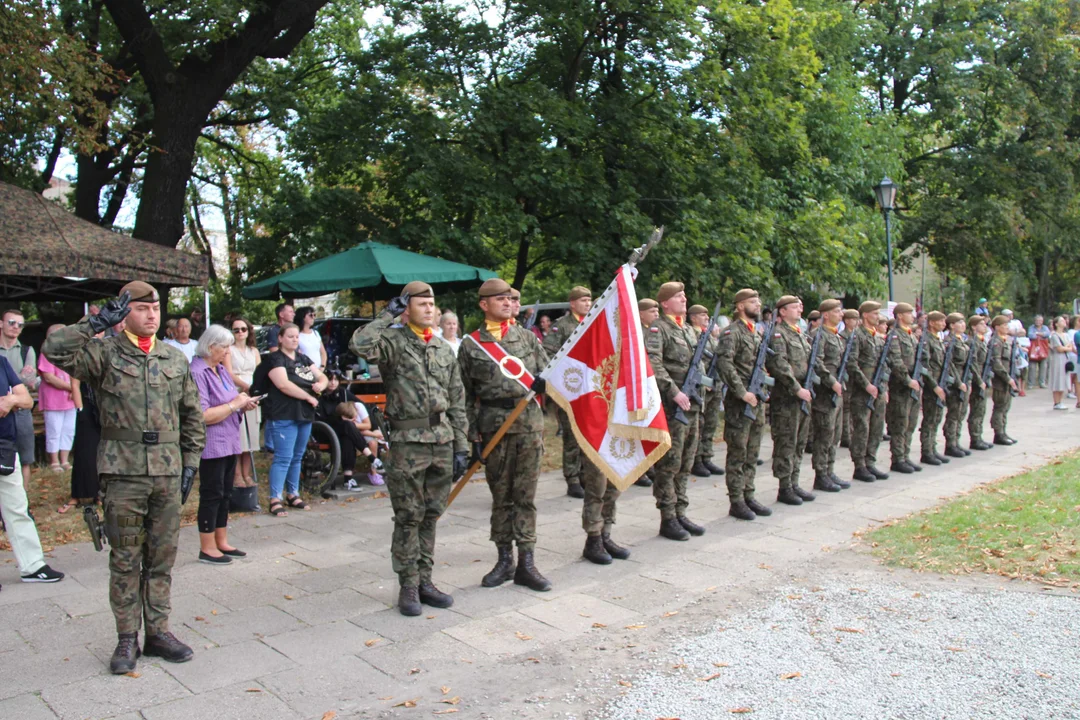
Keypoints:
pixel 290 442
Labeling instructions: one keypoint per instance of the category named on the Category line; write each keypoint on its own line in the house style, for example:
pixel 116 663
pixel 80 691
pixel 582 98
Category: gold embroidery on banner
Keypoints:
pixel 573 380
pixel 603 381
pixel 621 448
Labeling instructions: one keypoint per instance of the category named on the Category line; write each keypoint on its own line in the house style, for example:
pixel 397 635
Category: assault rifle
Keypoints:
pixel 878 380
pixel 965 378
pixel 943 380
pixel 918 371
pixel 694 377
pixel 988 367
pixel 93 523
pixel 760 382
pixel 811 377
pixel 1014 372
pixel 841 370
pixel 531 320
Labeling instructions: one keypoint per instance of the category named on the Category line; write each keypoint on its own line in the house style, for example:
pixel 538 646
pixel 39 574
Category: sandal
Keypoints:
pixel 56 468
pixel 277 509
pixel 295 501
pixel 67 506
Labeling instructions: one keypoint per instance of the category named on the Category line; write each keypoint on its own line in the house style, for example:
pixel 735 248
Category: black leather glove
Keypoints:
pixel 114 311
pixel 398 305
pixel 187 480
pixel 477 453
pixel 539 385
pixel 461 464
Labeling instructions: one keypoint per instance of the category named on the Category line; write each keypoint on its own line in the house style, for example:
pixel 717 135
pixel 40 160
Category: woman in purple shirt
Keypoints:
pixel 222 406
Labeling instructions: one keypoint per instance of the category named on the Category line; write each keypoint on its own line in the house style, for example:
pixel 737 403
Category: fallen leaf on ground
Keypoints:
pixel 721 664
pixel 253 690
pixel 895 674
pixel 445 689
pixel 288 597
pixel 636 626
pixel 710 588
pixel 213 612
pixel 388 697
pixel 379 494
pixel 371 642
pixel 430 617
pixel 535 660
pixel 671 613
pixel 329 715
pixel 599 625
pixel 849 630
pixel 790 676
pixel 710 678
pixel 200 617
pixel 626 683
pixel 447 711
pixel 451 701
pixel 133 674
pixel 794 597
pixel 954 649
pixel 584 615
pixel 1042 674
pixel 522 636
pixel 414 671
pixel 762 566
pixel 678 666
pixel 741 710
pixel 406 703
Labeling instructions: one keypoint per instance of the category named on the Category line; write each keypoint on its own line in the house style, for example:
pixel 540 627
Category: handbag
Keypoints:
pixel 244 499
pixel 1040 349
pixel 7 457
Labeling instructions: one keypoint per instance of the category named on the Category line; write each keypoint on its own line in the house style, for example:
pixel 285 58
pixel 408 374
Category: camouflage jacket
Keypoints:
pixel 790 361
pixel 831 353
pixel 484 381
pixel 864 359
pixel 959 360
pixel 670 348
pixel 135 391
pixel 978 346
pixel 738 353
pixel 422 379
pixel 902 357
pixel 934 358
pixel 1002 351
pixel 560 331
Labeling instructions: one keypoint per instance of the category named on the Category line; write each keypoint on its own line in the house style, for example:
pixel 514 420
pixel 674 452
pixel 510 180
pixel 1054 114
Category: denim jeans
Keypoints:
pixel 290 442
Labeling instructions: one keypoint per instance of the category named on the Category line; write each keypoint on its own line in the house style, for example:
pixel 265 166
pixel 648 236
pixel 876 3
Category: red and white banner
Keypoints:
pixel 602 378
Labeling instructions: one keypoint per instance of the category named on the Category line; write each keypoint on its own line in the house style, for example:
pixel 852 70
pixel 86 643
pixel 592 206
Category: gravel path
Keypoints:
pixel 881 651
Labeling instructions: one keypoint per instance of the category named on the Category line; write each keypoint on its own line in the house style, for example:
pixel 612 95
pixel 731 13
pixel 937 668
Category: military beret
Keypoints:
pixel 786 300
pixel 975 320
pixel 954 318
pixel 814 315
pixel 141 292
pixel 647 304
pixel 902 308
pixel 515 293
pixel 418 288
pixel 745 294
pixel 999 320
pixel 935 315
pixel 669 290
pixel 827 305
pixel 869 306
pixel 579 292
pixel 851 314
pixel 495 287
pixel 697 310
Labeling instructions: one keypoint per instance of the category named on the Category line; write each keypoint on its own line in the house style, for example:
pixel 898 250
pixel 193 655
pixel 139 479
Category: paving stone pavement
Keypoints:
pixel 305 625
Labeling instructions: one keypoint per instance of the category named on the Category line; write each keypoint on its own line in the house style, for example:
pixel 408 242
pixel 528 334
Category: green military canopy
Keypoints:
pixel 378 269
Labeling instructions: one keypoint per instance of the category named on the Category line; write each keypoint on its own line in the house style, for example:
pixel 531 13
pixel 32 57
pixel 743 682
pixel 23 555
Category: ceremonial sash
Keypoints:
pixel 510 366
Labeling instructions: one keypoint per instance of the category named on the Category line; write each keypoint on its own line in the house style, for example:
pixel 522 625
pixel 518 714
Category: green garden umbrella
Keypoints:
pixel 376 269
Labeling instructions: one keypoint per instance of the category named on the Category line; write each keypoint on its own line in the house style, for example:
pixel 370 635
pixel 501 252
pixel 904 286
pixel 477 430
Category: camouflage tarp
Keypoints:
pixel 46 253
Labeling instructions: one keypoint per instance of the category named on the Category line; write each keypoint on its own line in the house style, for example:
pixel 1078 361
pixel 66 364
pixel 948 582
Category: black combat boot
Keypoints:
pixel 691 527
pixel 528 575
pixel 699 470
pixel 614 549
pixel 595 552
pixel 757 507
pixel 760 462
pixel 126 653
pixel 574 489
pixel 978 444
pixel 929 460
pixel 672 529
pixel 741 511
pixel 942 458
pixel 167 647
pixel 953 451
pixel 503 570
pixel 837 480
pixel 788 497
pixel 878 474
pixel 806 495
pixel 643 481
pixel 901 467
pixel 714 469
pixel 433 596
pixel 824 483
pixel 1011 440
pixel 863 474
pixel 408 601
pixel 913 466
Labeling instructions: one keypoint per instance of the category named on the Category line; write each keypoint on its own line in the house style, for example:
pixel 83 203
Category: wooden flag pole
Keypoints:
pixel 498 436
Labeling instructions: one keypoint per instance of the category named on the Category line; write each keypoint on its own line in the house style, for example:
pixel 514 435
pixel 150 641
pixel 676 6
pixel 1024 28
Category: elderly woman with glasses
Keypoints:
pixel 221 405
pixel 241 362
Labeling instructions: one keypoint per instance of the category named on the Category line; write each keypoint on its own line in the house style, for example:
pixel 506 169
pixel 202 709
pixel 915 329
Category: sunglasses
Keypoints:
pixel 16 323
pixel 237 331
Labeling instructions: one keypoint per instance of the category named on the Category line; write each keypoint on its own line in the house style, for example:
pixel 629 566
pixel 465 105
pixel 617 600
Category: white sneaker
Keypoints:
pixel 377 465
pixel 352 486
pixel 1059 406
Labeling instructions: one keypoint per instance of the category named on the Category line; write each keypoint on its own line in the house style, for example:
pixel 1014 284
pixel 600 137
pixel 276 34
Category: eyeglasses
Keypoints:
pixel 15 323
pixel 237 331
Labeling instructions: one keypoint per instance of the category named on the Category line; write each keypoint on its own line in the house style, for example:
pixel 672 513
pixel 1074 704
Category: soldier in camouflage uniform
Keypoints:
pixel 425 409
pixel 957 401
pixel 789 365
pixel 825 414
pixel 867 423
pixel 152 435
pixel 979 391
pixel 670 343
pixel 648 311
pixel 709 414
pixel 931 415
pixel 580 304
pixel 1002 382
pixel 739 345
pixel 902 412
pixel 513 466
pixel 852 321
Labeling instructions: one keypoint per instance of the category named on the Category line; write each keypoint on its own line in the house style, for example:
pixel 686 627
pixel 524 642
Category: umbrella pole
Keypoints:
pixel 206 307
pixel 495 439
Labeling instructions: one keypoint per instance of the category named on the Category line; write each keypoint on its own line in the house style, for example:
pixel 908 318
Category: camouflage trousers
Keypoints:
pixel 418 478
pixel 790 428
pixel 826 431
pixel 571 453
pixel 931 420
pixel 999 418
pixel 512 470
pixel 977 415
pixel 867 427
pixel 743 438
pixel 845 418
pixel 598 512
pixel 710 421
pixel 142 522
pixel 901 417
pixel 673 470
pixel 956 409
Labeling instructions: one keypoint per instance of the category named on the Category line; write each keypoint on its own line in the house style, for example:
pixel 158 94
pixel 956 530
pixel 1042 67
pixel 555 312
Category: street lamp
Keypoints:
pixel 886 196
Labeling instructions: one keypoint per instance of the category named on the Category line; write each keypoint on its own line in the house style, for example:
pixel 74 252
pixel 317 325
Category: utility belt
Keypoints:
pixel 501 403
pixel 416 423
pixel 145 437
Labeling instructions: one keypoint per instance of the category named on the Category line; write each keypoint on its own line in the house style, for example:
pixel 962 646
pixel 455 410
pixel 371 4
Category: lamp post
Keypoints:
pixel 886 195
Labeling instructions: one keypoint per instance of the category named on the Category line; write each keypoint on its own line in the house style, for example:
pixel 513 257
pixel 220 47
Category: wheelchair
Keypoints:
pixel 321 464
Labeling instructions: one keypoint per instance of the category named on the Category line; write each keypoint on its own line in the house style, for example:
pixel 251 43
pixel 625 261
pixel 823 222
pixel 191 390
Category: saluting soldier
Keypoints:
pixel 867 423
pixel 789 365
pixel 648 311
pixel 825 415
pixel 977 412
pixel 956 404
pixel 425 409
pixel 852 320
pixel 670 343
pixel 152 435
pixel 489 359
pixel 709 414
pixel 739 345
pixel 580 303
pixel 902 413
pixel 931 415
pixel 1003 384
